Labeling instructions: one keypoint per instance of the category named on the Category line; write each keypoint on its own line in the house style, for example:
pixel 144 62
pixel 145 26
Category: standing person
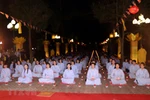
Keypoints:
pixel 142 76
pixel 5 74
pixel 26 76
pixel 93 76
pixel 48 75
pixel 68 75
pixel 18 69
pixel 117 75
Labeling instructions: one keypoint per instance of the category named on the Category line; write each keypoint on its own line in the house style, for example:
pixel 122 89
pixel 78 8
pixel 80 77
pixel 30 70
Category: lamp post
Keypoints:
pixel 13 26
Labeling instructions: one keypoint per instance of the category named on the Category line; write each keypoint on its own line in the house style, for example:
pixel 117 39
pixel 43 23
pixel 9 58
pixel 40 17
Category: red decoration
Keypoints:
pixel 133 9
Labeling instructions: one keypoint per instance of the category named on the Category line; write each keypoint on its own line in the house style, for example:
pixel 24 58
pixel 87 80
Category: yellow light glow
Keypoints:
pixel 55 37
pixel 1 42
pixel 111 35
pixel 17 26
pixel 71 40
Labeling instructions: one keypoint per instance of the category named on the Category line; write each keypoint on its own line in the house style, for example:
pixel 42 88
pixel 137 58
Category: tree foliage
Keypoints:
pixel 35 12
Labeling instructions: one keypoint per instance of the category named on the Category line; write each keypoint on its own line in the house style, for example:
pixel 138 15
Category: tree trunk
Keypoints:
pixel 30 45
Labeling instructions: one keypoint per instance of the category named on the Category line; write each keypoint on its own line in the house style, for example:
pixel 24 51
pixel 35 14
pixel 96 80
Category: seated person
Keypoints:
pixel 142 76
pixel 5 74
pixel 26 76
pixel 68 75
pixel 37 70
pixel 93 76
pixel 117 76
pixel 18 70
pixel 48 75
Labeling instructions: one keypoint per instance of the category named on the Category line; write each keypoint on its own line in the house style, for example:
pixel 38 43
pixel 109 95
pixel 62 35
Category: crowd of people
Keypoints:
pixel 71 66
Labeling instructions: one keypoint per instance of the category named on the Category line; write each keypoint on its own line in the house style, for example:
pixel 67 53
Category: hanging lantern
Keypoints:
pixel 133 9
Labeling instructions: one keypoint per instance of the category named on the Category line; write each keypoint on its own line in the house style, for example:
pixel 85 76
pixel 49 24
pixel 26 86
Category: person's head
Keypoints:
pixel 142 65
pixel 77 61
pixel 54 62
pixel 117 66
pixel 113 62
pixel 28 61
pixel 18 62
pixel 110 59
pixel 69 66
pixel 37 62
pixel 92 65
pixel 126 60
pixel 72 62
pixel 134 62
pixel 5 65
pixel 60 60
pixel 48 65
pixel 26 67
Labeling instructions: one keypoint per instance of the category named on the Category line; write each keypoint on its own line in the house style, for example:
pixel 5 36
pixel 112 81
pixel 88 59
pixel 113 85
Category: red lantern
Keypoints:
pixel 133 9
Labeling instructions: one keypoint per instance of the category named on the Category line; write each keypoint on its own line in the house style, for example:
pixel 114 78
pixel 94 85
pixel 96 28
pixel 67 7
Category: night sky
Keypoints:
pixel 77 21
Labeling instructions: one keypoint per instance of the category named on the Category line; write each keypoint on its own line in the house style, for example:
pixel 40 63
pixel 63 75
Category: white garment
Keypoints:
pixel 56 70
pixel 68 77
pixel 48 76
pixel 18 71
pixel 132 70
pixel 5 75
pixel 37 71
pixel 26 76
pixel 93 73
pixel 118 77
pixel 142 77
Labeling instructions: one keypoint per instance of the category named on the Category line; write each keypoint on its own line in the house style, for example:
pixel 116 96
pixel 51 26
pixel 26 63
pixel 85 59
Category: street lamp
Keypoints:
pixel 13 26
pixel 141 20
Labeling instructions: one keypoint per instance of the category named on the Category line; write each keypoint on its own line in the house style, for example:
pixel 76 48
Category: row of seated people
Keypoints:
pixel 93 75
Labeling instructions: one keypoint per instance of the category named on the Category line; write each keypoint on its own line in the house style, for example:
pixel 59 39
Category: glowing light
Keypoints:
pixel 141 20
pixel 10 25
pixel 71 40
pixel 1 42
pixel 13 22
pixel 111 35
pixel 17 26
pixel 55 37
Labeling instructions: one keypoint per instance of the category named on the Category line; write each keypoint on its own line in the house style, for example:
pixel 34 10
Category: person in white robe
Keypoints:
pixel 79 66
pixel 118 76
pixel 93 77
pixel 68 75
pixel 12 67
pixel 111 68
pixel 5 74
pixel 26 76
pixel 55 69
pixel 61 66
pixel 133 69
pixel 18 70
pixel 125 64
pixel 43 65
pixel 37 70
pixel 108 63
pixel 75 69
pixel 48 75
pixel 1 66
pixel 142 76
pixel 29 64
pixel 33 63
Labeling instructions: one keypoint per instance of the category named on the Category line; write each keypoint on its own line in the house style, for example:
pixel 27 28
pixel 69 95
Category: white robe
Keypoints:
pixel 79 67
pixel 110 69
pixel 12 68
pixel 142 77
pixel 62 67
pixel 1 67
pixel 107 65
pixel 5 75
pixel 48 76
pixel 68 77
pixel 132 71
pixel 30 66
pixel 56 70
pixel 93 73
pixel 26 77
pixel 75 70
pixel 37 71
pixel 18 71
pixel 118 74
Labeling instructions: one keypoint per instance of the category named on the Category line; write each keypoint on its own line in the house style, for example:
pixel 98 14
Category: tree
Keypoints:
pixel 34 12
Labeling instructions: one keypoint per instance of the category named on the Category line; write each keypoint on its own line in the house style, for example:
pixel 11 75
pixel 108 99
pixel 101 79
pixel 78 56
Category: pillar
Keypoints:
pixel 71 47
pixel 133 39
pixel 66 48
pixel 57 48
pixel 18 41
pixel 142 55
pixel 46 49
pixel 119 48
